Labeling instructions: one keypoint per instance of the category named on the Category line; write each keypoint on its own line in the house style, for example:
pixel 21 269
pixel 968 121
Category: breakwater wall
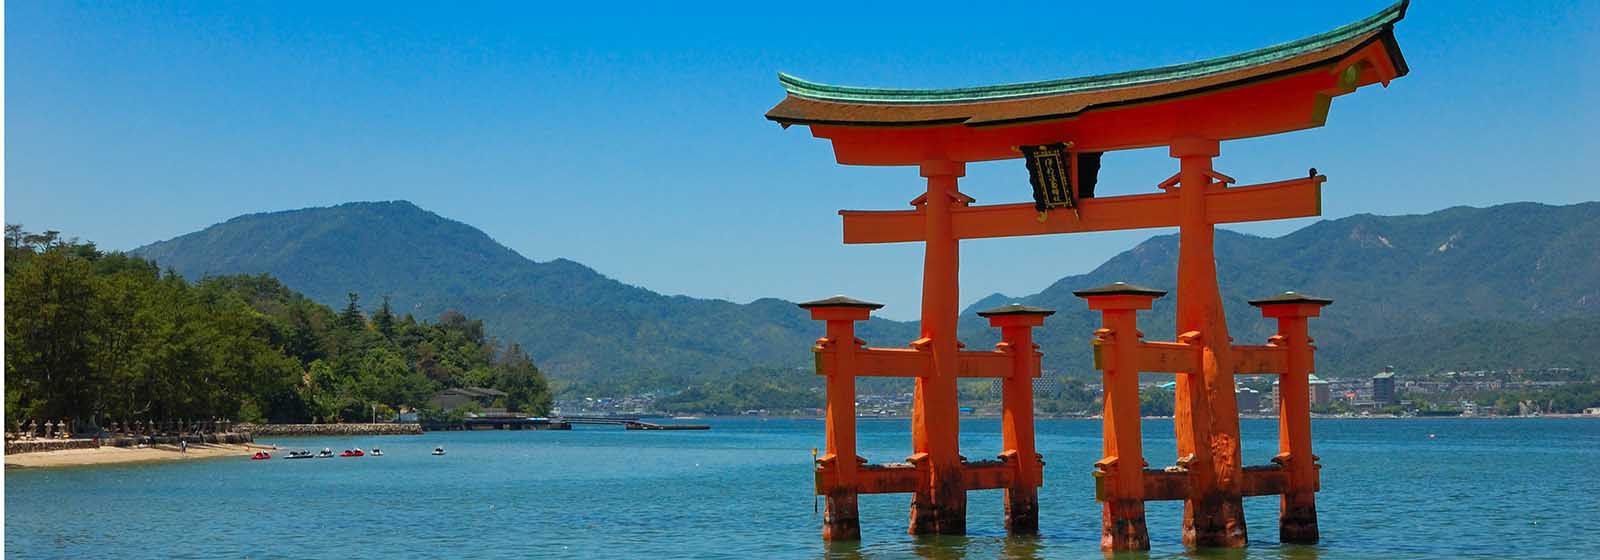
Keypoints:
pixel 15 447
pixel 383 429
pixel 134 441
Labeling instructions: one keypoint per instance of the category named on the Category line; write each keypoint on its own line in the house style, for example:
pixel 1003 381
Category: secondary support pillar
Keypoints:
pixel 840 519
pixel 1205 407
pixel 1297 517
pixel 1120 474
pixel 1016 324
pixel 940 506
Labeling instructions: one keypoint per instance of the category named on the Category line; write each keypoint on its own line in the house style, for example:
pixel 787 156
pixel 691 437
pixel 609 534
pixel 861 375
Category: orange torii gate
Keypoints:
pixel 1190 109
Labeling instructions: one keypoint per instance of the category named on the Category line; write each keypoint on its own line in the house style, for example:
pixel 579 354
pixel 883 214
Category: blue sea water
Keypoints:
pixel 1446 488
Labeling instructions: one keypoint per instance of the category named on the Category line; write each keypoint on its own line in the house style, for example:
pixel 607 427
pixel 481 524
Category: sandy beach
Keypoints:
pixel 123 455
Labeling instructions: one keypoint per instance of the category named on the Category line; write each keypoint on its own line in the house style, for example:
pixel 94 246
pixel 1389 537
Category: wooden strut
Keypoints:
pixel 1294 198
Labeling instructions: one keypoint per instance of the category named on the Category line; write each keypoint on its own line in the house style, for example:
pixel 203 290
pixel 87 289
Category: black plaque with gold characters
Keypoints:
pixel 1050 171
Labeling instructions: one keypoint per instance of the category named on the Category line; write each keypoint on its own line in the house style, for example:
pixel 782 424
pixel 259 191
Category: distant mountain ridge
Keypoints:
pixel 1524 267
pixel 574 321
pixel 1524 264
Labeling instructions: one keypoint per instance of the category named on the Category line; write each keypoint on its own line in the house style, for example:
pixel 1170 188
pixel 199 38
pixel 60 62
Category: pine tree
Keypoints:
pixel 351 319
pixel 383 320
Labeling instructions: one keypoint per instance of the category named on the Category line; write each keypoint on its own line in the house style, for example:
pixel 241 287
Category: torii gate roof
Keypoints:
pixel 1266 91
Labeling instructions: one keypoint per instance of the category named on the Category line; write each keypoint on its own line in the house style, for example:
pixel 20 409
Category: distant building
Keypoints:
pixel 1383 387
pixel 1249 399
pixel 1046 386
pixel 1321 393
pixel 451 399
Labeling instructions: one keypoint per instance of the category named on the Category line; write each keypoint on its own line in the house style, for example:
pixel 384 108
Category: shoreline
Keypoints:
pixel 110 455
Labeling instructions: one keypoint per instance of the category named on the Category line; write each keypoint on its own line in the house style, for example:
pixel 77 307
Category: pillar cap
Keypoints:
pixel 1120 289
pixel 1291 298
pixel 1016 309
pixel 839 301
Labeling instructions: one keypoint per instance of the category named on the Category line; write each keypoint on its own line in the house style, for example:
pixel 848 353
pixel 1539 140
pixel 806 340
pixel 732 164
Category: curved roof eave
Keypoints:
pixel 1382 21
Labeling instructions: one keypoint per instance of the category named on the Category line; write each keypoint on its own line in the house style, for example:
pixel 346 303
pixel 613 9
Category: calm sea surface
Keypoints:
pixel 1476 488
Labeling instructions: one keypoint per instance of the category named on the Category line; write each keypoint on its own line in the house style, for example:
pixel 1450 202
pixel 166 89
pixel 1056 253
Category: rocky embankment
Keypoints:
pixel 384 429
pixel 39 446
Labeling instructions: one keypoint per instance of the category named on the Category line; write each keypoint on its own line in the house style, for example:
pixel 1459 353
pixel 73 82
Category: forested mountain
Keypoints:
pixel 1462 287
pixel 1425 291
pixel 575 322
pixel 97 336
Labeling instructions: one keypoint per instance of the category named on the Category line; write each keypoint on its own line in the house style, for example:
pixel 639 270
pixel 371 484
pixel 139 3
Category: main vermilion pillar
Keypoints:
pixel 940 506
pixel 1207 416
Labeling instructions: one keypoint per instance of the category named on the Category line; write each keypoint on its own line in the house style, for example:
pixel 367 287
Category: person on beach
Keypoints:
pixel 183 446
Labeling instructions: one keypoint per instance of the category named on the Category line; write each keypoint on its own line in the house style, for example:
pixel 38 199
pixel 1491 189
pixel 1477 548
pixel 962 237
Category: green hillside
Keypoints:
pixel 575 322
pixel 1427 290
pixel 1442 282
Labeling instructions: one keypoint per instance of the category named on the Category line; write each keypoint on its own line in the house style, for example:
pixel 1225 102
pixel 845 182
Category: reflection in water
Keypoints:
pixel 946 547
pixel 940 547
pixel 1299 552
pixel 1219 553
pixel 1021 548
pixel 842 550
pixel 1127 555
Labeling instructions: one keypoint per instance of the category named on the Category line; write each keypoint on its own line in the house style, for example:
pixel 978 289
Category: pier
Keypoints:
pixel 630 423
pixel 513 422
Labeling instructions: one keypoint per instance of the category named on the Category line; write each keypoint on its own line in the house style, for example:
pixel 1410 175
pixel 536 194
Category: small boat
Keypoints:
pixel 438 451
pixel 326 453
pixel 300 454
pixel 377 452
pixel 260 456
pixel 352 453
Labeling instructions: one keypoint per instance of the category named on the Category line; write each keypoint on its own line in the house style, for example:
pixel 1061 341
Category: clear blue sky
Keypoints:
pixel 631 138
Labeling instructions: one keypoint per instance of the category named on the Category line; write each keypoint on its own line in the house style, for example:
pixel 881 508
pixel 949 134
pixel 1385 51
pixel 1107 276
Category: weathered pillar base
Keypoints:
pixel 1122 526
pixel 1022 511
pixel 1297 520
pixel 924 519
pixel 947 516
pixel 841 520
pixel 1214 521
pixel 951 501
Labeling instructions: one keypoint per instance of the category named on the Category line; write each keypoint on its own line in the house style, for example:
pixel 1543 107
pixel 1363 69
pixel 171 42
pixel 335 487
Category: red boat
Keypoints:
pixel 350 453
pixel 260 455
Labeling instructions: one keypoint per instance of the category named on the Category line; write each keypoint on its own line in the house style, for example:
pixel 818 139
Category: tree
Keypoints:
pixel 526 388
pixel 351 319
pixel 1154 401
pixel 50 334
pixel 383 321
pixel 91 334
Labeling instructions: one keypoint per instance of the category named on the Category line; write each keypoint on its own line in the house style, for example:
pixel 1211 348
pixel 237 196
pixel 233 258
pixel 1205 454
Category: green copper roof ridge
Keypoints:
pixel 851 94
